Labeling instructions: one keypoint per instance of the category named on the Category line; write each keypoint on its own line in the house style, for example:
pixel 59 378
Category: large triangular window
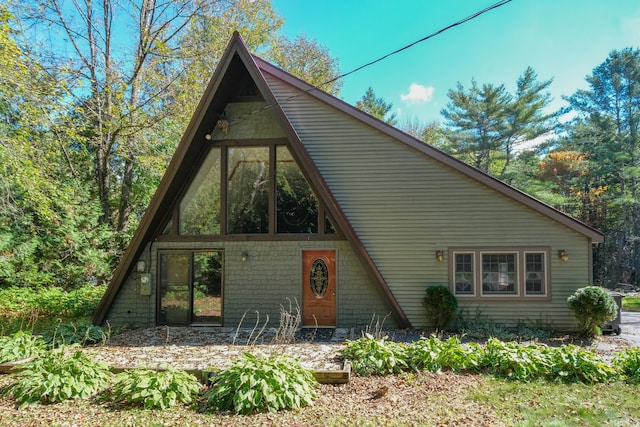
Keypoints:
pixel 250 189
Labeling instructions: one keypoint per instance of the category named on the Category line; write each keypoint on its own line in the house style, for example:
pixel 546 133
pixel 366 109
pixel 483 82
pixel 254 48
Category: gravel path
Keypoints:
pixel 200 348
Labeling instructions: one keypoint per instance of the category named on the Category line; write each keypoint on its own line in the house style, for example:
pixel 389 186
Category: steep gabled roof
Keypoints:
pixel 428 150
pixel 235 61
pixel 238 61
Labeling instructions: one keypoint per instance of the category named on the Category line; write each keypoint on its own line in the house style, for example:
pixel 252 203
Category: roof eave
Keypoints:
pixel 595 235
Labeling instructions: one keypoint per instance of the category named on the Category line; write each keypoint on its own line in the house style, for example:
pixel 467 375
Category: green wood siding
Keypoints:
pixel 404 206
pixel 272 273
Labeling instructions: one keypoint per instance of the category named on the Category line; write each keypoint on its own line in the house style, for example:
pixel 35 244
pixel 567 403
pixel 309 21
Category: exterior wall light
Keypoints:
pixel 439 255
pixel 563 255
pixel 245 256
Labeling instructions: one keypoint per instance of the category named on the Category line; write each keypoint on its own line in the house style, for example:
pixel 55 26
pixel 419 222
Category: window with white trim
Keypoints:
pixel 500 272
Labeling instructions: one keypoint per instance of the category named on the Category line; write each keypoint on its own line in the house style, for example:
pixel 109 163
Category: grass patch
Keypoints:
pixel 554 404
pixel 412 399
pixel 631 303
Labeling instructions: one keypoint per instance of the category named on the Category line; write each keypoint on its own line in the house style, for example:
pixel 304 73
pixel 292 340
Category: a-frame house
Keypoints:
pixel 280 193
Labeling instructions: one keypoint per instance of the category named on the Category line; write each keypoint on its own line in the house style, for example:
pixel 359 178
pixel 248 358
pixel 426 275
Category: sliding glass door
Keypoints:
pixel 190 288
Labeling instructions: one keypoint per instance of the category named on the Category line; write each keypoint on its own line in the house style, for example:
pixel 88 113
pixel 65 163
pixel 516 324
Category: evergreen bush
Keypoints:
pixel 592 306
pixel 441 305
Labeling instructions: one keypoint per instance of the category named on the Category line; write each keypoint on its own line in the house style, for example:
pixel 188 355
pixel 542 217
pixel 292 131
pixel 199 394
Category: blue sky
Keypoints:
pixel 560 39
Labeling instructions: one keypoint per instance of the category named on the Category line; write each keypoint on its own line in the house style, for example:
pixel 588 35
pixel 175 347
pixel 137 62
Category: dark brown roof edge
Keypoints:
pixel 141 235
pixel 595 235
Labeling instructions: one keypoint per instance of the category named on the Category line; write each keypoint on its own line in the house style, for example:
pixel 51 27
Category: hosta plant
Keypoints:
pixel 261 384
pixel 57 376
pixel 572 363
pixel 370 356
pixel 78 333
pixel 628 364
pixel 516 361
pixel 155 389
pixel 433 354
pixel 20 345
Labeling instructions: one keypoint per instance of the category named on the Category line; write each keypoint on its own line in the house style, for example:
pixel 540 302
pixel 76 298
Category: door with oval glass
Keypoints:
pixel 319 288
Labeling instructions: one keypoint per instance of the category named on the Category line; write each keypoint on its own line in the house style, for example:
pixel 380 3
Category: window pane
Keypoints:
pixel 296 205
pixel 200 206
pixel 248 190
pixel 464 274
pixel 175 297
pixel 329 228
pixel 499 274
pixel 535 274
pixel 207 287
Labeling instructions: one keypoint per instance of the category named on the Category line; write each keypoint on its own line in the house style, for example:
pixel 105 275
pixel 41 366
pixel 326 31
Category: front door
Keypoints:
pixel 319 288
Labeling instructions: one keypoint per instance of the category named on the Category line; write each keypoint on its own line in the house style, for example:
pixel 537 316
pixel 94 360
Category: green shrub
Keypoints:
pixel 256 384
pixel 20 345
pixel 55 376
pixel 592 306
pixel 154 389
pixel 515 361
pixel 628 364
pixel 571 364
pixel 50 301
pixel 441 305
pixel 82 332
pixel 370 356
pixel 433 354
pixel 480 326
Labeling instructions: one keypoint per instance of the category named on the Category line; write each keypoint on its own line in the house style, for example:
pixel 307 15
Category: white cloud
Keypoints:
pixel 418 94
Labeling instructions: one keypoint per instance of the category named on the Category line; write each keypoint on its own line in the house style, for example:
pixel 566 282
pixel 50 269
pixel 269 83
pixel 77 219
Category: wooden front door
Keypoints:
pixel 319 288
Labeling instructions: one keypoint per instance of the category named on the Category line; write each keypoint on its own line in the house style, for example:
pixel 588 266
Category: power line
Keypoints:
pixel 375 61
pixel 460 22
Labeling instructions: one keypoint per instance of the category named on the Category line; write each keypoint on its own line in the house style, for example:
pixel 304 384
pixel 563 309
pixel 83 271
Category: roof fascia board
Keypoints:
pixel 434 153
pixel 141 235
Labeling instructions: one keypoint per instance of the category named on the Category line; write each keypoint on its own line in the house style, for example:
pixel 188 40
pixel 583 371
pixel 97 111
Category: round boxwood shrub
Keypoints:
pixel 592 306
pixel 441 305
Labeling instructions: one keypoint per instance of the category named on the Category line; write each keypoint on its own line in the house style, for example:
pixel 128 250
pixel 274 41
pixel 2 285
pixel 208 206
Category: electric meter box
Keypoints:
pixel 145 284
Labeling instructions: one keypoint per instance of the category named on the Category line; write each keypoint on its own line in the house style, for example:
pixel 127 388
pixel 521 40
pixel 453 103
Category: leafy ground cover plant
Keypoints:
pixel 370 356
pixel 440 305
pixel 20 345
pixel 592 306
pixel 260 384
pixel 82 332
pixel 515 361
pixel 56 376
pixel 433 354
pixel 49 301
pixel 571 363
pixel 627 363
pixel 154 389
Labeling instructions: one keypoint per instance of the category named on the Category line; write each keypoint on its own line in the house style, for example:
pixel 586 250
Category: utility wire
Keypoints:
pixel 341 76
pixel 460 22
